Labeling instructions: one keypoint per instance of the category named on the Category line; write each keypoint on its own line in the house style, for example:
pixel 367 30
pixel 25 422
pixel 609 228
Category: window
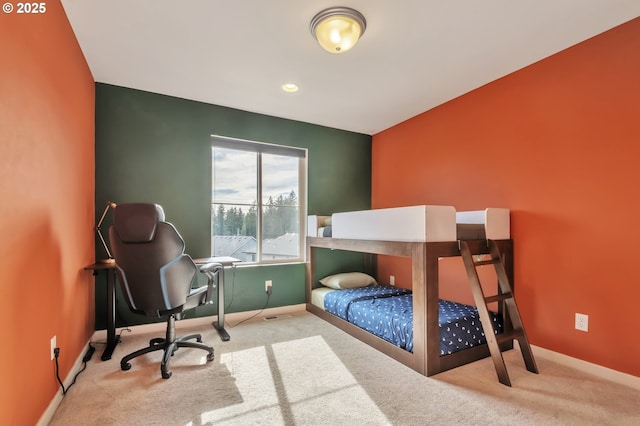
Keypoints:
pixel 258 201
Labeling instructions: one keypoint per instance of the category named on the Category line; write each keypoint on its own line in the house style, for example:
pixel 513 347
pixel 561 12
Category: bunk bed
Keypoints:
pixel 424 234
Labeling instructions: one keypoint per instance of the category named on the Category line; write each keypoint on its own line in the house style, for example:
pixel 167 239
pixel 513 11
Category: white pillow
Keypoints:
pixel 348 280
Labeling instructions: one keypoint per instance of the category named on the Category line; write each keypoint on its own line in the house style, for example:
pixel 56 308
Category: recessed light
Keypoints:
pixel 290 87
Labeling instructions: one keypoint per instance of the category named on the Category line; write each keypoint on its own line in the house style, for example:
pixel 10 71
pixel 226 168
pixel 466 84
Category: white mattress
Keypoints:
pixel 413 223
pixel 318 294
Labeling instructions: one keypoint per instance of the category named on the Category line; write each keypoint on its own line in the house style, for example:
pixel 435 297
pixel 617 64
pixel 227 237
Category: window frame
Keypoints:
pixel 266 148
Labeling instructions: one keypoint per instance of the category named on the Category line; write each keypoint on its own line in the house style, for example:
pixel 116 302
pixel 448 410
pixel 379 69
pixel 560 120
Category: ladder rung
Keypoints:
pixel 498 297
pixel 507 337
pixel 487 262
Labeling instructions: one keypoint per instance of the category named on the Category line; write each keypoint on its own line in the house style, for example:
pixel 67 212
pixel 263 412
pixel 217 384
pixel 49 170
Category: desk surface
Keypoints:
pixel 224 260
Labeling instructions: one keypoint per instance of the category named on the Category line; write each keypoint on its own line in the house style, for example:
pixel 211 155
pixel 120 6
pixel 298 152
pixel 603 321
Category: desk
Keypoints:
pixel 112 340
pixel 224 261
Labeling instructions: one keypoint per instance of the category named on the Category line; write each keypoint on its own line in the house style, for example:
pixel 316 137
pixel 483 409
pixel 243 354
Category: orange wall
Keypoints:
pixel 47 208
pixel 558 143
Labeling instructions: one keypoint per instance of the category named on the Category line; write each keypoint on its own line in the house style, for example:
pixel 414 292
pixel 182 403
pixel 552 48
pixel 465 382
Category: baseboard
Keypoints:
pixel 234 317
pixel 589 368
pixel 47 415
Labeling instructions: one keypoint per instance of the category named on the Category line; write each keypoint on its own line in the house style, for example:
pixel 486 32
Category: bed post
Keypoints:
pixel 310 271
pixel 420 296
pixel 431 308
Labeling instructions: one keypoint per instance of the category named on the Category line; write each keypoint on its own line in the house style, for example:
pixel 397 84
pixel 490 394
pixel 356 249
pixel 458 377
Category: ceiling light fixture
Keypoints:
pixel 290 87
pixel 338 29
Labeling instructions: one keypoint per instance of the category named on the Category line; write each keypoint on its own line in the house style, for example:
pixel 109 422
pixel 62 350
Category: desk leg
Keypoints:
pixel 219 323
pixel 112 340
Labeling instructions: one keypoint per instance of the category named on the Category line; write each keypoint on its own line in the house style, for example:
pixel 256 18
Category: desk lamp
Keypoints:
pixel 109 259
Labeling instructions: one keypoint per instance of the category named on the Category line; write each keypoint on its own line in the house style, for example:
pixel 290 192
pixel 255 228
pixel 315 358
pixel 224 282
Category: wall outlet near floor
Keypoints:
pixel 53 347
pixel 267 286
pixel 392 280
pixel 582 322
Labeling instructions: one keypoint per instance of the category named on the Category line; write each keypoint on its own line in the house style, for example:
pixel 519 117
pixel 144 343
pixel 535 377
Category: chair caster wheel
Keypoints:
pixel 125 366
pixel 210 356
pixel 166 374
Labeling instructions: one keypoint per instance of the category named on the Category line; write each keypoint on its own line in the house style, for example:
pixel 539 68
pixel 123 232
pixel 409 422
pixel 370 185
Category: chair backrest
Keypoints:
pixel 154 273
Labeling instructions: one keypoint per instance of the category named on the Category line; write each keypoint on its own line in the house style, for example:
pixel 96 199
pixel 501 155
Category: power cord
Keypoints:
pixel 85 359
pixel 122 330
pixel 254 315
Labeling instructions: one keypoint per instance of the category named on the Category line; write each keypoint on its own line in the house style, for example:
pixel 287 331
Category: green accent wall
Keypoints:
pixel 156 148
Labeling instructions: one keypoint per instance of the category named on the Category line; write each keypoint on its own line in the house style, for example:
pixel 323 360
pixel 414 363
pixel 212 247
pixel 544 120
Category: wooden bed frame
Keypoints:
pixel 425 357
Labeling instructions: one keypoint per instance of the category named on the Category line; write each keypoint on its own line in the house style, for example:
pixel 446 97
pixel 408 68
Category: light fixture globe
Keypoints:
pixel 338 29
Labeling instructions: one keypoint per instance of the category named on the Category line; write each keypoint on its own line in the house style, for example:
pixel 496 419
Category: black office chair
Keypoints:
pixel 156 276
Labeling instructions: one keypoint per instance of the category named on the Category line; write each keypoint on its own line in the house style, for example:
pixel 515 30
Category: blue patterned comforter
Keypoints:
pixel 387 312
pixel 384 311
pixel 460 326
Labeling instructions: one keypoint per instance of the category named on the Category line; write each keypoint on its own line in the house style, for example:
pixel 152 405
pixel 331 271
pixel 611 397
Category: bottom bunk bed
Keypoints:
pixel 417 317
pixel 387 312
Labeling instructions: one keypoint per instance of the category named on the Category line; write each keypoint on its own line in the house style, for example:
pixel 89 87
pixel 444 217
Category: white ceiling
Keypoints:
pixel 414 55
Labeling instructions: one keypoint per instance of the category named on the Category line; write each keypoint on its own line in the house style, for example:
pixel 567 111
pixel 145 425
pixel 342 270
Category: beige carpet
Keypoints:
pixel 300 370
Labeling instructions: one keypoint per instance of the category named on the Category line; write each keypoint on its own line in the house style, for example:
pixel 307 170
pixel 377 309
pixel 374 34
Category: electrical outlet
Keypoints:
pixel 267 286
pixel 392 280
pixel 582 322
pixel 53 347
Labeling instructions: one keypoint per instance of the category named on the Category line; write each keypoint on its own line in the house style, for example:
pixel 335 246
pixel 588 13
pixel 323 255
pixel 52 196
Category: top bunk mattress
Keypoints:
pixel 414 224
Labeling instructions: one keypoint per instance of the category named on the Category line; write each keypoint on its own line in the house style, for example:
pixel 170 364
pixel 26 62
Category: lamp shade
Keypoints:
pixel 338 29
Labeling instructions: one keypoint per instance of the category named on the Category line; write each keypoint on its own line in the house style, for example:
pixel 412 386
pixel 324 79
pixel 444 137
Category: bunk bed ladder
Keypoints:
pixel 504 294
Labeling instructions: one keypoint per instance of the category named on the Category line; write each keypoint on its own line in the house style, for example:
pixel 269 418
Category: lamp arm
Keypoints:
pixel 110 205
pixel 104 244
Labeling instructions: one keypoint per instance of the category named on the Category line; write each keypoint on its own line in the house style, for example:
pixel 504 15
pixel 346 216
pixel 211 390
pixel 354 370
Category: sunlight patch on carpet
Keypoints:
pixel 292 381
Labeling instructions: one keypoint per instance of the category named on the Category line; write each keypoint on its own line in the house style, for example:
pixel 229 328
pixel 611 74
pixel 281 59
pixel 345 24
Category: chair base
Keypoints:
pixel 169 345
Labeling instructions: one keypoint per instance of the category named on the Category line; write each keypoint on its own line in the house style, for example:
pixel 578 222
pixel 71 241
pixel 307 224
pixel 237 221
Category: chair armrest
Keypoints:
pixel 210 267
pixel 211 270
